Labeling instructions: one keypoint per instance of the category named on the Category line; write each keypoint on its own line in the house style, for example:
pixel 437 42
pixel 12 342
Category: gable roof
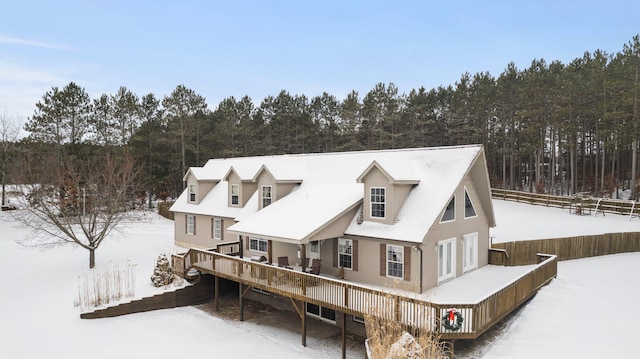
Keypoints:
pixel 396 172
pixel 330 184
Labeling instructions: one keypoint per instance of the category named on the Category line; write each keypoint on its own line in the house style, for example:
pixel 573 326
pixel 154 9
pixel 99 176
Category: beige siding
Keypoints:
pixel 368 259
pixel 247 189
pixel 283 189
pixel 336 228
pixel 265 179
pixel 202 188
pixel 395 196
pixel 203 238
pixel 456 229
pixel 233 179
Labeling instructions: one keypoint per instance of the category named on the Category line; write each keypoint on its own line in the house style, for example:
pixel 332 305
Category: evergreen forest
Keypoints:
pixel 552 127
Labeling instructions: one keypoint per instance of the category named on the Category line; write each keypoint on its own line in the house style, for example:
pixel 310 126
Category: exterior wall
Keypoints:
pixel 246 189
pixel 369 261
pixel 202 188
pixel 456 229
pixel 395 196
pixel 336 228
pixel 203 238
pixel 266 180
pixel 283 189
pixel 278 190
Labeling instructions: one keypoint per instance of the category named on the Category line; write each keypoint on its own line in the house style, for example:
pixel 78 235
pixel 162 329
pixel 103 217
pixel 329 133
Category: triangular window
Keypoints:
pixel 469 211
pixel 450 212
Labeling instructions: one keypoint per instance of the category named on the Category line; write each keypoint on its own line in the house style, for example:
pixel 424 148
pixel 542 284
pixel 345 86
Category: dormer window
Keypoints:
pixel 378 202
pixel 266 196
pixel 192 193
pixel 235 194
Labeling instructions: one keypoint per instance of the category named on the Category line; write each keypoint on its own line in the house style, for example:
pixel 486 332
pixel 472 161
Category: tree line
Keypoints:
pixel 550 127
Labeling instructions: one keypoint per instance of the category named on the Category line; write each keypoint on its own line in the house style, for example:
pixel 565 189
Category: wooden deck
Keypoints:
pixel 359 300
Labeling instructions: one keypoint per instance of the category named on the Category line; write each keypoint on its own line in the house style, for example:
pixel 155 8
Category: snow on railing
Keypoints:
pixel 361 300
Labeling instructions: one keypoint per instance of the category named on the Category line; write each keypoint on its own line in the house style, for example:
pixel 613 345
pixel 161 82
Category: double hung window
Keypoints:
pixel 191 224
pixel 235 194
pixel 345 253
pixel 217 228
pixel 395 261
pixel 266 196
pixel 378 202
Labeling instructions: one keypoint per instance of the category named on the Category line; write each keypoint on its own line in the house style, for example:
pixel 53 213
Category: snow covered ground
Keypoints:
pixel 589 311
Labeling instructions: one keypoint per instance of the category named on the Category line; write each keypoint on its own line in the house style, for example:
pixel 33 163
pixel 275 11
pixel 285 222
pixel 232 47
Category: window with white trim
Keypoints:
pixel 446 259
pixel 235 194
pixel 469 252
pixel 469 211
pixel 217 228
pixel 378 202
pixel 258 244
pixel 450 212
pixel 313 247
pixel 395 261
pixel 345 253
pixel 192 193
pixel 266 196
pixel 191 224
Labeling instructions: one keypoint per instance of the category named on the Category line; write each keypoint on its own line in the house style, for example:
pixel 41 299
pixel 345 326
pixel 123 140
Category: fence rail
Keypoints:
pixel 163 210
pixel 523 252
pixel 580 204
pixel 359 300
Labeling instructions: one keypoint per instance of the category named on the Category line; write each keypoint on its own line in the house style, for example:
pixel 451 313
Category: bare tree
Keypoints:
pixel 9 131
pixel 78 201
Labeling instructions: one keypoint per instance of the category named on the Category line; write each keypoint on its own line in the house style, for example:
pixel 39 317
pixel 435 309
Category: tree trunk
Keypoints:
pixel 92 257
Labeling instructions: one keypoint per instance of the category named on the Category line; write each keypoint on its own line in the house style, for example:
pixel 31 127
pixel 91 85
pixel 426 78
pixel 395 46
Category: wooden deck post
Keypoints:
pixel 241 304
pixel 216 291
pixel 304 324
pixel 344 335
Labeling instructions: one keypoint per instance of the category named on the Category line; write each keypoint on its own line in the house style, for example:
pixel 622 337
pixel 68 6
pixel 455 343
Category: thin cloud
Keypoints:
pixel 24 42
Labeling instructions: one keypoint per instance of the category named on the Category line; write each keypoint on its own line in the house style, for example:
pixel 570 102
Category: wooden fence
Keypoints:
pixel 523 252
pixel 580 204
pixel 163 210
pixel 359 300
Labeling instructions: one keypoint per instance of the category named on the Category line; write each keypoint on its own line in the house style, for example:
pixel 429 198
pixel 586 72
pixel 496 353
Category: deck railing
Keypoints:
pixel 360 300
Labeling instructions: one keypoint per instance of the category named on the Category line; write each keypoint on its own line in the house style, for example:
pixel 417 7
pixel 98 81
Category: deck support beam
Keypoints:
pixel 303 319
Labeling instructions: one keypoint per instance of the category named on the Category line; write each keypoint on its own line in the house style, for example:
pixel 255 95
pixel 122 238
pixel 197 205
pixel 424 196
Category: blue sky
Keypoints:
pixel 257 48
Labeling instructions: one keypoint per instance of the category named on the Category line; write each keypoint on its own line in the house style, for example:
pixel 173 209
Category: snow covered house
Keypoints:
pixel 410 219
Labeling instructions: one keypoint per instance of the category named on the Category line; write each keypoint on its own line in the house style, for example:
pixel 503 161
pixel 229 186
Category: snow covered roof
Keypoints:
pixel 330 185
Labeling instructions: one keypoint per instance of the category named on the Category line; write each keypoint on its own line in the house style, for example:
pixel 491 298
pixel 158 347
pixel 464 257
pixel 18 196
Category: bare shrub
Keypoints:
pixel 388 339
pixel 101 286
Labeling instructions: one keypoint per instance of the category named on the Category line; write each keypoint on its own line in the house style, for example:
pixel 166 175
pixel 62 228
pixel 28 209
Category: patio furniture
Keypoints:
pixel 315 270
pixel 284 262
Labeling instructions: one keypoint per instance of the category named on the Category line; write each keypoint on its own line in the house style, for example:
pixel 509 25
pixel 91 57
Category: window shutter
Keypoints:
pixel 383 260
pixel 354 263
pixel 186 223
pixel 194 225
pixel 222 229
pixel 407 263
pixel 335 252
pixel 247 239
